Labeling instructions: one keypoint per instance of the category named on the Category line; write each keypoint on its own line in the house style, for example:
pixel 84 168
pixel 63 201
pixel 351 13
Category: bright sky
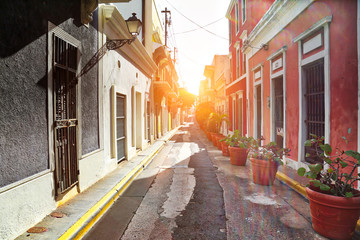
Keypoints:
pixel 196 48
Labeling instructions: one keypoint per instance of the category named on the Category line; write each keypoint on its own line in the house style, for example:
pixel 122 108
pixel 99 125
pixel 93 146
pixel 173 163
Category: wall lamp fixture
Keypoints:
pixel 134 26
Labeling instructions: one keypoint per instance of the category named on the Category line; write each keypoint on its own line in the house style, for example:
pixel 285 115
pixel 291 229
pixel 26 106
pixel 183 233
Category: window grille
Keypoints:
pixel 65 97
pixel 315 106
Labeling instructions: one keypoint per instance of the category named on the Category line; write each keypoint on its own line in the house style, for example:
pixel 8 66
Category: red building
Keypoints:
pixel 295 72
pixel 243 17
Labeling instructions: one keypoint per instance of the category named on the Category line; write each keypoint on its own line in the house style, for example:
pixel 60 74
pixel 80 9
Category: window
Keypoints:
pixel 231 69
pixel 120 126
pixel 258 112
pixel 237 63
pixel 237 17
pixel 234 113
pixel 65 63
pixel 230 32
pixel 240 115
pixel 315 106
pixel 244 64
pixel 133 120
pixel 243 10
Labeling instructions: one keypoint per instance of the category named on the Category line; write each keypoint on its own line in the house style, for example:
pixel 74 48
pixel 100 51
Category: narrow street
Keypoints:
pixel 190 191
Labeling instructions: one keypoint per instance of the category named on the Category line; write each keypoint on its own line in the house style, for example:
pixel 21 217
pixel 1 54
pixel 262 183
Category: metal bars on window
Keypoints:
pixel 315 106
pixel 64 70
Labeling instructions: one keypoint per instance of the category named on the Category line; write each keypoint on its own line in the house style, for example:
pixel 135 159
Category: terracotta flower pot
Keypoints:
pixel 333 217
pixel 225 149
pixel 264 171
pixel 213 138
pixel 238 156
pixel 208 135
pixel 218 143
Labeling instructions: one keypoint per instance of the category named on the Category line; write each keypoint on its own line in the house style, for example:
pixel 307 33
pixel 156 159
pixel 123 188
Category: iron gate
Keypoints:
pixel 315 106
pixel 65 124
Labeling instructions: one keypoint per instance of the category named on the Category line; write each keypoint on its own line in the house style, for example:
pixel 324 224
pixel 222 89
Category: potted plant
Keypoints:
pixel 238 148
pixel 215 122
pixel 334 201
pixel 265 161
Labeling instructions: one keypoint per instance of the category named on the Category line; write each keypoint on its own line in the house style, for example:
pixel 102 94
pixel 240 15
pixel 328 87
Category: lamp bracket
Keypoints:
pixel 118 43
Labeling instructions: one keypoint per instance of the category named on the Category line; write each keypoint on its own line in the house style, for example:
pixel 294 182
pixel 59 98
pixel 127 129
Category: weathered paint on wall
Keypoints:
pixel 343 75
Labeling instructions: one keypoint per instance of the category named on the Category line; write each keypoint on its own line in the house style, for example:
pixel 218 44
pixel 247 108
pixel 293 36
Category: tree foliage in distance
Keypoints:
pixel 187 99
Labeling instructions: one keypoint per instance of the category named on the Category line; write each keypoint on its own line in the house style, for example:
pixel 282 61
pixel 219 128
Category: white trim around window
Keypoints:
pixel 237 18
pixel 256 84
pixel 243 10
pixel 325 54
pixel 281 51
pixel 55 30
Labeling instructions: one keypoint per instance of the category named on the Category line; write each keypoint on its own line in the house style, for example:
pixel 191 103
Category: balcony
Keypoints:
pixel 168 88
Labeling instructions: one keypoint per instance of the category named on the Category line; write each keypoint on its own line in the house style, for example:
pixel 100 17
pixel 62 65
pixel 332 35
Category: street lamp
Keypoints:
pixel 134 26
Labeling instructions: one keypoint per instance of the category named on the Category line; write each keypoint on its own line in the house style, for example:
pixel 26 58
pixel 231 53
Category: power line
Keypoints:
pixel 196 23
pixel 190 58
pixel 199 27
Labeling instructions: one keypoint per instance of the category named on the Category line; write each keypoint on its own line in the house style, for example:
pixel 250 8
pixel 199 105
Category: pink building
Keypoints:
pixel 295 72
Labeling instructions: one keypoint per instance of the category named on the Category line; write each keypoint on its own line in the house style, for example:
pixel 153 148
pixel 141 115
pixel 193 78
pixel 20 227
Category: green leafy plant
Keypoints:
pixel 236 140
pixel 269 152
pixel 332 179
pixel 215 120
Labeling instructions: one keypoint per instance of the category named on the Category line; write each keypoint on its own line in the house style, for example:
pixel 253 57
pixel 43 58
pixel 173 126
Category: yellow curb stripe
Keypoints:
pixel 81 227
pixel 292 183
pixel 300 189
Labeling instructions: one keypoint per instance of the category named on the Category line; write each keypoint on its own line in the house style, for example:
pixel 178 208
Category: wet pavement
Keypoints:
pixel 191 191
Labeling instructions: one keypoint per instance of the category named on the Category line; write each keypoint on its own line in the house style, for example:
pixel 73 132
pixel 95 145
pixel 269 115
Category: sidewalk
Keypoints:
pixel 82 211
pixel 290 177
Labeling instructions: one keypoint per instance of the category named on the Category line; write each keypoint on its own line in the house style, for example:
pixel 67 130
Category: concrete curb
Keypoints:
pixel 83 225
pixel 292 184
pixel 299 189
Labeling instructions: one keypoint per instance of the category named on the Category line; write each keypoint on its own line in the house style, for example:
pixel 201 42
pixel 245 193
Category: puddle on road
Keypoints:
pixel 260 199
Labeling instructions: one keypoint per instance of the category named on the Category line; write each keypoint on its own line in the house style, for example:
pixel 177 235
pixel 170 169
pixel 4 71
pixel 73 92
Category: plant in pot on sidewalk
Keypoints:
pixel 238 147
pixel 334 201
pixel 265 161
pixel 215 121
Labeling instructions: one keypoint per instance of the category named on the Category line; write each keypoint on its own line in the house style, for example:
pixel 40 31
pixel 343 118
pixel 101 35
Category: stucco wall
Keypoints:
pixel 343 73
pixel 122 78
pixel 23 86
pixel 23 116
pixel 89 89
pixel 18 215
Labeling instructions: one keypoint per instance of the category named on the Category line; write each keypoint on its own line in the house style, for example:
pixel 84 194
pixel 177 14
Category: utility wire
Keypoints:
pixel 196 23
pixel 190 58
pixel 200 27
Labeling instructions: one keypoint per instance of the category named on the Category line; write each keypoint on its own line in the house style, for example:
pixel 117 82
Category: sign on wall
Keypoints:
pixel 277 64
pixel 257 75
pixel 313 43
